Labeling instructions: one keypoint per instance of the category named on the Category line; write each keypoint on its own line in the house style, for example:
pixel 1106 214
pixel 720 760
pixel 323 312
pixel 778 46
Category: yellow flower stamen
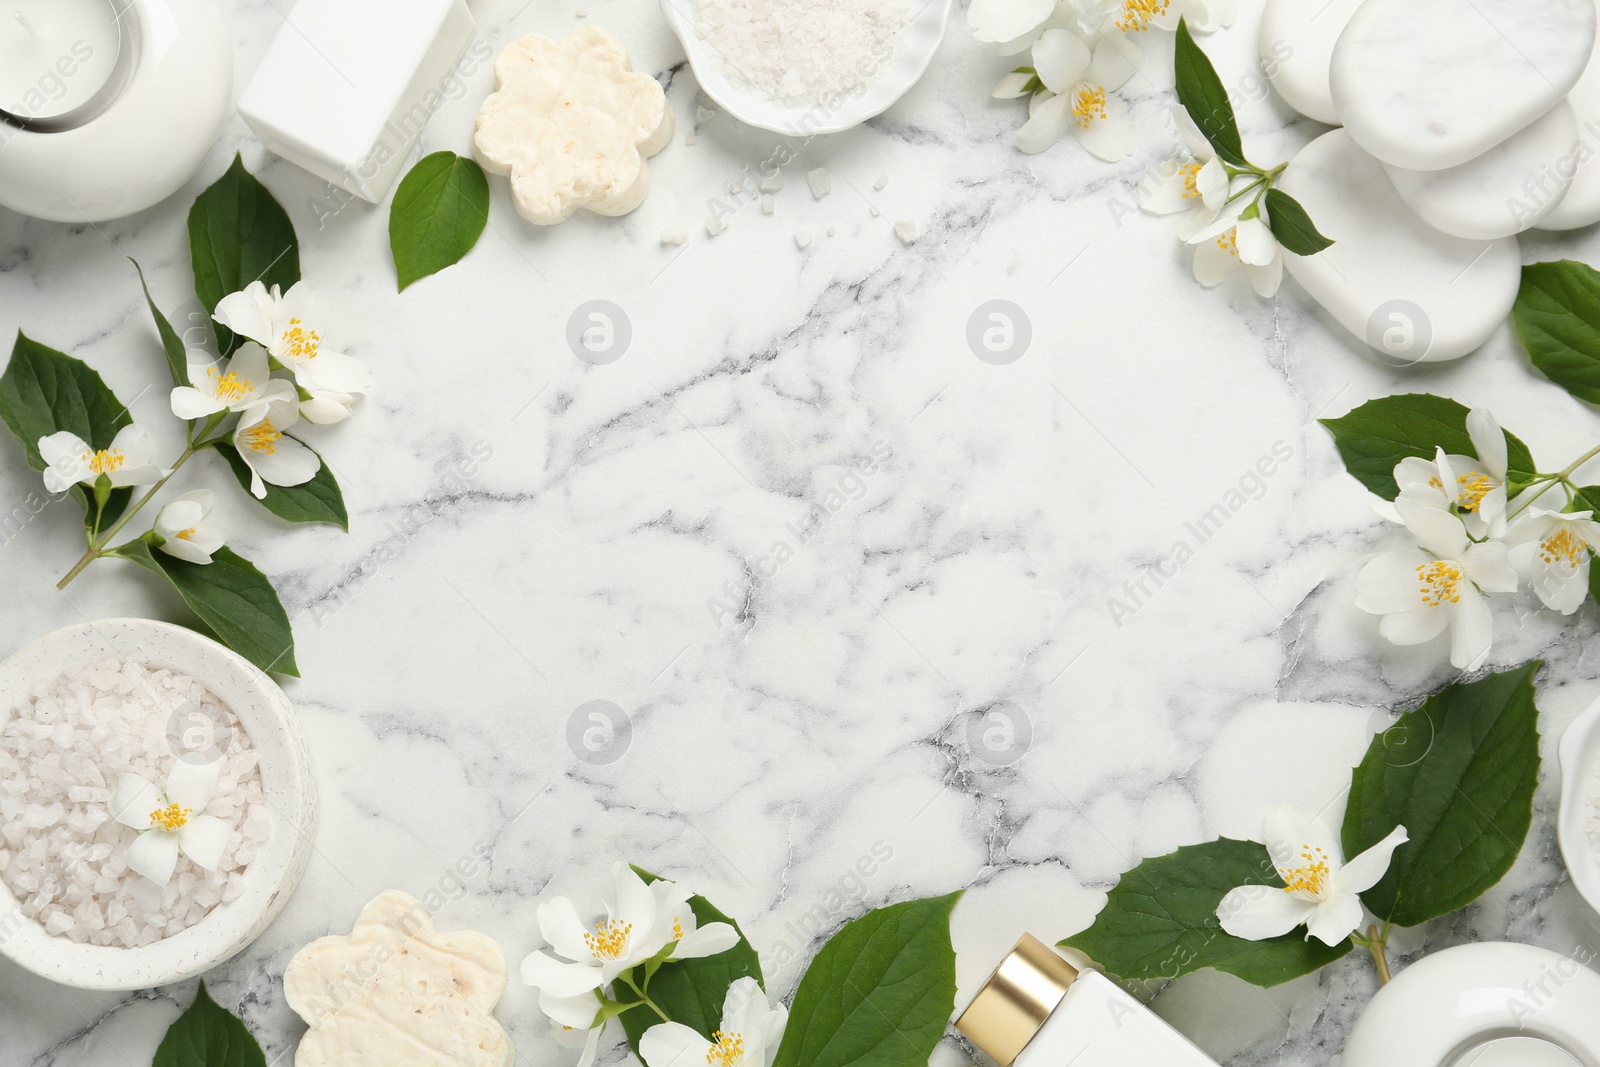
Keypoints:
pixel 227 387
pixel 1088 104
pixel 1229 242
pixel 300 342
pixel 105 461
pixel 1471 489
pixel 1191 179
pixel 726 1049
pixel 185 535
pixel 1311 876
pixel 1136 14
pixel 1564 547
pixel 170 818
pixel 610 939
pixel 263 437
pixel 677 928
pixel 1440 582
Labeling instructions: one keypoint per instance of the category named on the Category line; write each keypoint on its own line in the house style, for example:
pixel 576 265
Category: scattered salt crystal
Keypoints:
pixel 802 237
pixel 833 231
pixel 703 113
pixel 906 230
pixel 691 138
pixel 715 224
pixel 65 858
pixel 674 235
pixel 872 211
pixel 821 186
pixel 769 203
pixel 582 12
pixel 882 182
pixel 773 182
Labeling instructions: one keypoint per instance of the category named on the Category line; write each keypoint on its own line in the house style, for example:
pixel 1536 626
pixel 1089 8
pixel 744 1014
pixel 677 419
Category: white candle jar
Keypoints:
pixel 1488 1004
pixel 85 136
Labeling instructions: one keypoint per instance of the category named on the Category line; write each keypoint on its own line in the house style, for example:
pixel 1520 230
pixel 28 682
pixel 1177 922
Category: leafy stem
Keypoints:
pixel 643 998
pixel 1376 943
pixel 1546 482
pixel 1205 98
pixel 97 546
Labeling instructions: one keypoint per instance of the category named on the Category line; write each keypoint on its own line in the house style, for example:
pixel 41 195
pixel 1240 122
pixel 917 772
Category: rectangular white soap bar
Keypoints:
pixel 347 85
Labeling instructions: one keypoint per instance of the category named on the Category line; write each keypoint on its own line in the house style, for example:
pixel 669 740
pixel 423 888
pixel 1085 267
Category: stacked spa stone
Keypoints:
pixel 1464 123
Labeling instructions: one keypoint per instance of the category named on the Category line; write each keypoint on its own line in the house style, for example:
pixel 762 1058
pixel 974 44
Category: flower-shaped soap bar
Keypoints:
pixel 572 123
pixel 396 991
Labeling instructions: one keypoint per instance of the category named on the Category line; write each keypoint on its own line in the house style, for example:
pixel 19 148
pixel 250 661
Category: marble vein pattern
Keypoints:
pixel 835 586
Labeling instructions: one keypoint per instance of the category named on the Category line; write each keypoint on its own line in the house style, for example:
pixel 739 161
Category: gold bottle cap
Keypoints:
pixel 1016 1000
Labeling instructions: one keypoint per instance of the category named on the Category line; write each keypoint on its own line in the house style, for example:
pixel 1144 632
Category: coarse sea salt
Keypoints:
pixel 62 855
pixel 803 51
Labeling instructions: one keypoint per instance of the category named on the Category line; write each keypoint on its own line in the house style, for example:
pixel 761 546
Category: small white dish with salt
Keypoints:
pixel 804 67
pixel 121 700
pixel 1578 824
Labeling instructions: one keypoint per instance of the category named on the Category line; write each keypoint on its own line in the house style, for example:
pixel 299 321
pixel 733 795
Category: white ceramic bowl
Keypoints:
pixel 1487 1003
pixel 290 792
pixel 1578 753
pixel 920 41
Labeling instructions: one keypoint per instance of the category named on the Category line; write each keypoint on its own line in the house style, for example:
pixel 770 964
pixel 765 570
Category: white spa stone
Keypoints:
pixel 1413 293
pixel 1508 189
pixel 1581 204
pixel 1430 84
pixel 1297 38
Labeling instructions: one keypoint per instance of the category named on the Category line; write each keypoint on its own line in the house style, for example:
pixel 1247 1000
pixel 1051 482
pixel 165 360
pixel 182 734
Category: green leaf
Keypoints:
pixel 438 214
pixel 1466 800
pixel 1558 318
pixel 239 234
pixel 1202 95
pixel 208 1035
pixel 44 391
pixel 233 599
pixel 1160 920
pixel 171 343
pixel 1380 433
pixel 692 992
pixel 318 500
pixel 1292 226
pixel 880 992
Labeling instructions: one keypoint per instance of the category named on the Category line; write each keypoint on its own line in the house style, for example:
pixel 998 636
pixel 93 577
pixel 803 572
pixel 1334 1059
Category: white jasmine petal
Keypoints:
pixel 1471 630
pixel 1061 57
pixel 1319 891
pixel 133 800
pixel 154 855
pixel 203 838
pixel 995 21
pixel 192 782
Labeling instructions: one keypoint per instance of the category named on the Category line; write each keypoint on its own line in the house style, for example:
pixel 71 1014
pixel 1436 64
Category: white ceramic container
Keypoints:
pixel 143 136
pixel 1491 1004
pixel 1579 752
pixel 921 40
pixel 289 788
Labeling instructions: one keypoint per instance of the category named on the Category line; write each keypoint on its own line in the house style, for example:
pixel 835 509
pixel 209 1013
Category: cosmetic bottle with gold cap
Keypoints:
pixel 1038 1010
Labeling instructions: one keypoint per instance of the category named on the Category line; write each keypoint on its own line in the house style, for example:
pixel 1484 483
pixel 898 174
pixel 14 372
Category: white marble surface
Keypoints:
pixel 449 638
pixel 1430 84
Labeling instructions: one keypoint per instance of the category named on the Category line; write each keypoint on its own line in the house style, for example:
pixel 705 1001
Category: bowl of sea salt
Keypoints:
pixel 804 67
pixel 87 705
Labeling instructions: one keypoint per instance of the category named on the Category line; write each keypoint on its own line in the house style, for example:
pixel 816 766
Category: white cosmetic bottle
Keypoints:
pixel 1037 1010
